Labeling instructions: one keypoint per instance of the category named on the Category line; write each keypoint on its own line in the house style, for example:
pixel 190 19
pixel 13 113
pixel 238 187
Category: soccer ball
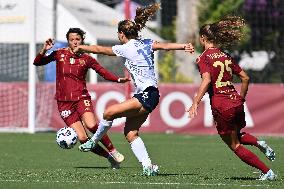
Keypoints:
pixel 66 137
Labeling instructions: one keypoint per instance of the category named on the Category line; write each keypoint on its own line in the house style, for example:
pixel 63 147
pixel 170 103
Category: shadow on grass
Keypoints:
pixel 97 167
pixel 177 174
pixel 241 178
pixel 91 167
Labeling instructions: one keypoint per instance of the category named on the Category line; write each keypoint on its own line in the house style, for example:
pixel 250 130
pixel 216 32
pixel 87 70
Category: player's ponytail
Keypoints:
pixel 225 32
pixel 144 14
pixel 132 28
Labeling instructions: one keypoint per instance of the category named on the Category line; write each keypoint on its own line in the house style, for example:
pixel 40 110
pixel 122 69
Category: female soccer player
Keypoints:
pixel 217 69
pixel 139 62
pixel 73 99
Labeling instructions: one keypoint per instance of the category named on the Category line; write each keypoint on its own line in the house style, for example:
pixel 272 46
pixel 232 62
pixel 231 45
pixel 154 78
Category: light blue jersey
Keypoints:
pixel 139 62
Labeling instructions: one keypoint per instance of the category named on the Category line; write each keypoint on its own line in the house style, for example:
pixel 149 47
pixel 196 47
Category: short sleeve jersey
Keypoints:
pixel 221 67
pixel 71 73
pixel 139 62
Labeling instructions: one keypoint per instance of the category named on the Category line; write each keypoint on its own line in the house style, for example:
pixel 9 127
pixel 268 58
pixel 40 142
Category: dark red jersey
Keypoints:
pixel 221 67
pixel 71 73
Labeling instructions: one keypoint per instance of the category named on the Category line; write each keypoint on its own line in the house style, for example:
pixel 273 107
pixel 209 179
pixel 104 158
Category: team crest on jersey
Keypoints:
pixel 65 113
pixel 72 60
pixel 62 55
pixel 82 62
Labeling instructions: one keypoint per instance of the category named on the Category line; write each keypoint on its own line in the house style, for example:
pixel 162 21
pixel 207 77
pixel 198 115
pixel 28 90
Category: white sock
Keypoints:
pixel 139 150
pixel 103 127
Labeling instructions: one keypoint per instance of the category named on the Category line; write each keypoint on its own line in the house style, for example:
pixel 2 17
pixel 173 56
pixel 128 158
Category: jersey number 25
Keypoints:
pixel 219 82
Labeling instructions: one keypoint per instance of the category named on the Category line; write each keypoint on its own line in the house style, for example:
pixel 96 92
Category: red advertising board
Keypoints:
pixel 264 108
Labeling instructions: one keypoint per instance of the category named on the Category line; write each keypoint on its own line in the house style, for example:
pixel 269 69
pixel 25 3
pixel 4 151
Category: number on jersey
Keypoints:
pixel 219 82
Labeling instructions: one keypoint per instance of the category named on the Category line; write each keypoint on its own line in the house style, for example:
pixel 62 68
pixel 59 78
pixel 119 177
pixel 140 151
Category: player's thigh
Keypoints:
pixel 80 130
pixel 86 112
pixel 68 112
pixel 227 127
pixel 240 118
pixel 129 108
pixel 89 119
pixel 133 124
pixel 231 139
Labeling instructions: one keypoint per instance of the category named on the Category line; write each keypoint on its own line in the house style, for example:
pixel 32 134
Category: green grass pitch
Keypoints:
pixel 35 162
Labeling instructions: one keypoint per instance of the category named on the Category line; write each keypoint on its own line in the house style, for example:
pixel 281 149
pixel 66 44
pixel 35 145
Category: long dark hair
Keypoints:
pixel 132 28
pixel 226 32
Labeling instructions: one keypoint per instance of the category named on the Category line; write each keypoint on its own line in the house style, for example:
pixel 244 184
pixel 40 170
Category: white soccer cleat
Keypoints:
pixel 269 153
pixel 118 157
pixel 87 146
pixel 268 176
pixel 151 170
pixel 113 163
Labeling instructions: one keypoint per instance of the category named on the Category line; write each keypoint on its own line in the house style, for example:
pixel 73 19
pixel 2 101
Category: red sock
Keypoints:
pixel 250 158
pixel 105 139
pixel 100 151
pixel 248 139
pixel 107 143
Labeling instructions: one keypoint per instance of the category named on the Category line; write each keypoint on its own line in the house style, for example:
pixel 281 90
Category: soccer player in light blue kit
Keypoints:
pixel 139 62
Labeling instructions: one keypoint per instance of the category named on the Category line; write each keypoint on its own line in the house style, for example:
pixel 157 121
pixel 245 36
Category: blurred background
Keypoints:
pixel 26 92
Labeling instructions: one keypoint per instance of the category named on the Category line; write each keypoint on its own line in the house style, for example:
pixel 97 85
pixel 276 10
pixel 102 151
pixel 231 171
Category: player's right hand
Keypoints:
pixel 192 111
pixel 48 44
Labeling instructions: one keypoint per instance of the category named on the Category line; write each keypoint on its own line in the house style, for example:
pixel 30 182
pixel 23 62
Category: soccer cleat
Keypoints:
pixel 87 146
pixel 151 170
pixel 118 157
pixel 113 163
pixel 268 176
pixel 269 153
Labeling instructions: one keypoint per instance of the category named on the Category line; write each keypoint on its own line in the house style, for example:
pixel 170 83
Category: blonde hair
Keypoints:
pixel 132 28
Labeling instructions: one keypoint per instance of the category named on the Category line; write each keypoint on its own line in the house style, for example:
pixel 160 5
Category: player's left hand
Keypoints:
pixel 192 111
pixel 123 79
pixel 189 48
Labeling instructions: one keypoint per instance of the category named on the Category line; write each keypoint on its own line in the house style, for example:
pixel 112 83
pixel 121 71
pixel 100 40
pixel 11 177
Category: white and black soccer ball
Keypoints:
pixel 66 137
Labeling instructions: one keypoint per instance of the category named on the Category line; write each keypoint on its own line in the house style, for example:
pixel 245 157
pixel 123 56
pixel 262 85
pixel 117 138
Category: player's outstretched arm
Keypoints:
pixel 106 74
pixel 96 49
pixel 187 47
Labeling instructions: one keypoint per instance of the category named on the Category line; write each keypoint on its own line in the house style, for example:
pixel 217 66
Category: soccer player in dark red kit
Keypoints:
pixel 73 99
pixel 217 69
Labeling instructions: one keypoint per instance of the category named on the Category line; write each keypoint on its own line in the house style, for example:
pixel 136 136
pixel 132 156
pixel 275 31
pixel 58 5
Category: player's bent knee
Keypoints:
pixel 131 136
pixel 108 115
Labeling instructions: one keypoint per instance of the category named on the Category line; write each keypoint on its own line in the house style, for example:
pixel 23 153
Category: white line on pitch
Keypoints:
pixel 140 183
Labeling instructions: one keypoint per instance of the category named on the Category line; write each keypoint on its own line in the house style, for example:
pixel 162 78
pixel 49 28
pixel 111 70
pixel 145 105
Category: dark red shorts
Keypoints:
pixel 71 111
pixel 230 120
